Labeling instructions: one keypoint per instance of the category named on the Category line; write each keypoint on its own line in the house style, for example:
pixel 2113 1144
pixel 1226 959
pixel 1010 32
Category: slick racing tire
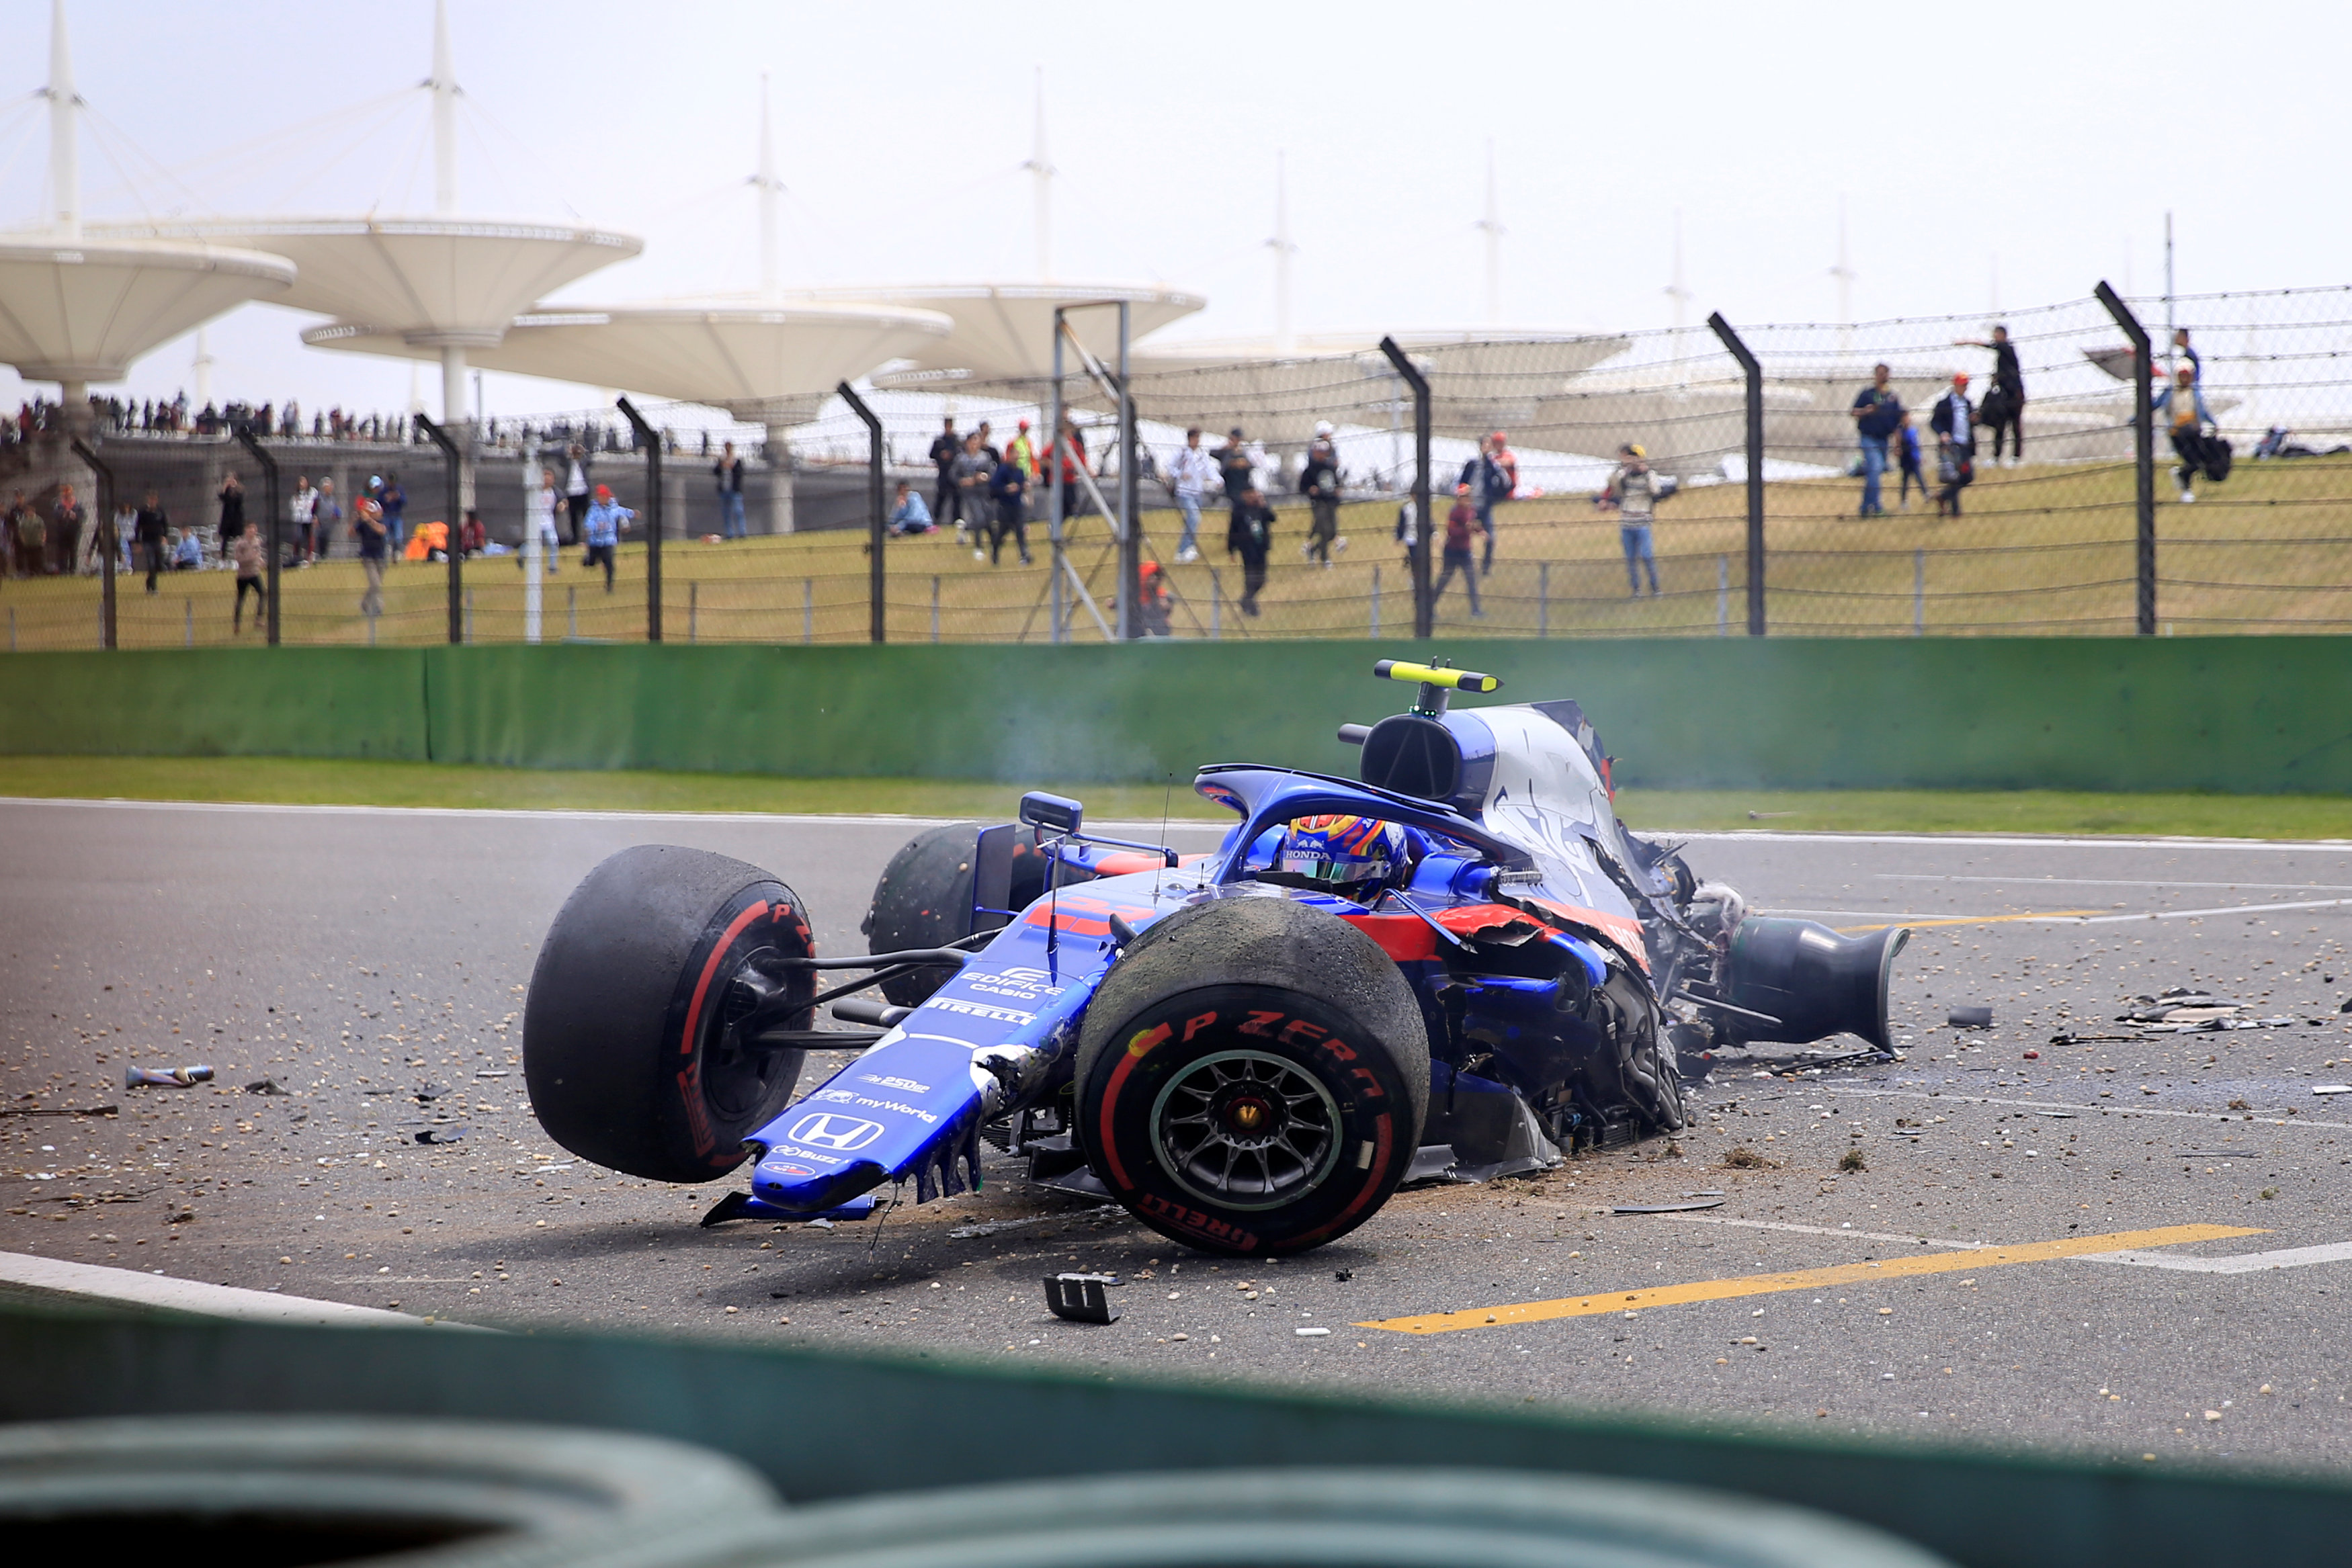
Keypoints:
pixel 1252 1077
pixel 628 1038
pixel 924 899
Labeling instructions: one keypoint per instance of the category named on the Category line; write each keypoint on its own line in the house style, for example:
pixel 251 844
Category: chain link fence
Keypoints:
pixel 2020 518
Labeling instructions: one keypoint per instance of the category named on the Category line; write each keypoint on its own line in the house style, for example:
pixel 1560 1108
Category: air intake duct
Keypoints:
pixel 1814 981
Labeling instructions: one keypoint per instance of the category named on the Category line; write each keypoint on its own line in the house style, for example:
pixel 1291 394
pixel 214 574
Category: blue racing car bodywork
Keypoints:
pixel 1249 1061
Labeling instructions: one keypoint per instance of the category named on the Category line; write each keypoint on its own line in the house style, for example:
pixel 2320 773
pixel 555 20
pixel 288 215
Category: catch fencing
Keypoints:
pixel 2054 541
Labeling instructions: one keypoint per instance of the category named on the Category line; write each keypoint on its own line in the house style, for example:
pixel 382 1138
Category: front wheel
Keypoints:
pixel 1253 1077
pixel 630 1042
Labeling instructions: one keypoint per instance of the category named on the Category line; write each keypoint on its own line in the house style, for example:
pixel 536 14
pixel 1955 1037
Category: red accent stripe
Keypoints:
pixel 1127 1058
pixel 1402 937
pixel 709 968
pixel 1383 1135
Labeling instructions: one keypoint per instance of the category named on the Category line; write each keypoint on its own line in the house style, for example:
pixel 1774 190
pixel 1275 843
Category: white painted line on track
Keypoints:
pixel 128 1287
pixel 1825 1230
pixel 2103 1109
pixel 501 813
pixel 2242 1263
pixel 2047 881
pixel 1976 841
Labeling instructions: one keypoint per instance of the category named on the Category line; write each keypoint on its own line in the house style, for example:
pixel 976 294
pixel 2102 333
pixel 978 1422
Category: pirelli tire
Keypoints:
pixel 1252 1077
pixel 923 899
pixel 629 1042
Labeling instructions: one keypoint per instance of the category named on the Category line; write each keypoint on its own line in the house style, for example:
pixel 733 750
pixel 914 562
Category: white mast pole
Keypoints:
pixel 768 188
pixel 1283 250
pixel 65 146
pixel 1041 184
pixel 1492 225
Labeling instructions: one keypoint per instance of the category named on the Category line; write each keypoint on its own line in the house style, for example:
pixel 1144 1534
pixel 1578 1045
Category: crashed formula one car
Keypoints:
pixel 1460 962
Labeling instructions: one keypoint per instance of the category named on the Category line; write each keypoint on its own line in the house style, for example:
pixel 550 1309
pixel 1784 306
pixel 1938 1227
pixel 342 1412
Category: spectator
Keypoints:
pixel 576 491
pixel 1008 486
pixel 29 536
pixel 1632 491
pixel 1877 413
pixel 1461 526
pixel 154 526
pixel 1487 478
pixel 367 522
pixel 65 537
pixel 2004 405
pixel 1151 600
pixel 1906 454
pixel 948 501
pixel 1237 474
pixel 1318 481
pixel 187 551
pixel 1955 467
pixel 1954 418
pixel 1022 451
pixel 2184 402
pixel 297 513
pixel 326 512
pixel 542 524
pixel 972 471
pixel 1505 465
pixel 471 535
pixel 1249 535
pixel 387 493
pixel 2181 347
pixel 604 522
pixel 1188 473
pixel 908 516
pixel 729 471
pixel 126 533
pixel 246 550
pixel 1071 452
pixel 231 512
pixel 988 447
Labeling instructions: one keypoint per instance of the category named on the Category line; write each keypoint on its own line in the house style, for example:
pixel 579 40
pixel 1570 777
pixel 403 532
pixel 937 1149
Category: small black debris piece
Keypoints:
pixel 1970 1017
pixel 267 1086
pixel 1081 1298
pixel 440 1134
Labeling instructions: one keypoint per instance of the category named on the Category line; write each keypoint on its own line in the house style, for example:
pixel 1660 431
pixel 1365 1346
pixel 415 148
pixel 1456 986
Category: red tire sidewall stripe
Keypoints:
pixel 689 1077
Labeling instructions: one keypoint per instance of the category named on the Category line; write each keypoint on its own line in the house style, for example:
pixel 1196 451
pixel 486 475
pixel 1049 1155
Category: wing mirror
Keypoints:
pixel 1058 813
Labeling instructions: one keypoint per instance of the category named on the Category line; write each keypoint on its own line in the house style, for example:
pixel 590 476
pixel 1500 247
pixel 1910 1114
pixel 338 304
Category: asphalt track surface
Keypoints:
pixel 356 955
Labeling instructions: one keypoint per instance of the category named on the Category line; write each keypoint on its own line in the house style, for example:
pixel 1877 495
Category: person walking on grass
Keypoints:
pixel 947 502
pixel 154 528
pixel 1008 488
pixel 66 520
pixel 2183 404
pixel 2004 406
pixel 1249 535
pixel 298 517
pixel 367 522
pixel 1906 457
pixel 1463 531
pixel 729 471
pixel 1632 492
pixel 30 536
pixel 246 550
pixel 972 472
pixel 576 491
pixel 604 522
pixel 1318 481
pixel 1188 473
pixel 326 514
pixel 232 513
pixel 1877 413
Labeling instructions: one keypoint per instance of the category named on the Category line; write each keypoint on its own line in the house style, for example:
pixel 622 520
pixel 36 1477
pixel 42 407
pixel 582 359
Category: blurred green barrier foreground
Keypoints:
pixel 1070 1468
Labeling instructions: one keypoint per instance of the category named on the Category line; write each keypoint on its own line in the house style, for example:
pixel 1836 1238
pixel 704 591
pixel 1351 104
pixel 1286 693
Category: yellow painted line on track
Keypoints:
pixel 1971 920
pixel 1808 1279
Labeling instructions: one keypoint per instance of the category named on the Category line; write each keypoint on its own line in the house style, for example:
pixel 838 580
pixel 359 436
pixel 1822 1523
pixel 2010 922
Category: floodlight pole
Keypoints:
pixel 454 527
pixel 1754 372
pixel 2143 447
pixel 1424 612
pixel 879 629
pixel 244 433
pixel 648 438
pixel 107 545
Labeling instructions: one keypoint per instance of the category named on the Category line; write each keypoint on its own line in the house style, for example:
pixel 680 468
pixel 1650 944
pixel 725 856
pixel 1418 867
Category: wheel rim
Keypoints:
pixel 735 1077
pixel 1245 1130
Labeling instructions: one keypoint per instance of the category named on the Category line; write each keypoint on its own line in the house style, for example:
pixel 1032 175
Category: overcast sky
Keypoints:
pixel 1987 153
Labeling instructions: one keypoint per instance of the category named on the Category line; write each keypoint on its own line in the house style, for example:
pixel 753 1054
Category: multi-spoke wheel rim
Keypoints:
pixel 1245 1130
pixel 735 1073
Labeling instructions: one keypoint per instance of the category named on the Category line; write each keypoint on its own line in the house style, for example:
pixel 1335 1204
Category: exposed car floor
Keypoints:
pixel 355 957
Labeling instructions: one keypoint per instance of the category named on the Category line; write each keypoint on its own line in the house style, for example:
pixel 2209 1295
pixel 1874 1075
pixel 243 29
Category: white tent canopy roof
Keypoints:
pixel 1005 330
pixel 80 310
pixel 437 281
pixel 754 359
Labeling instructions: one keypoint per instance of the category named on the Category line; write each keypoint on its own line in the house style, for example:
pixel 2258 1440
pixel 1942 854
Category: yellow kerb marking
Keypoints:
pixel 1971 920
pixel 1809 1278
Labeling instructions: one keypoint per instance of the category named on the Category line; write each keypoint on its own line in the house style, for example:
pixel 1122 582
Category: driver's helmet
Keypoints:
pixel 1345 851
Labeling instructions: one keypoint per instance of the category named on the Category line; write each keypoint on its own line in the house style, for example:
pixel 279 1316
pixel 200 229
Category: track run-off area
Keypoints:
pixel 2063 1230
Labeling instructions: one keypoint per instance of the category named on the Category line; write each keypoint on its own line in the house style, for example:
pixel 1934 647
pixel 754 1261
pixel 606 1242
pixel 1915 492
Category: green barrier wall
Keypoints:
pixel 2260 715
pixel 215 702
pixel 822 1424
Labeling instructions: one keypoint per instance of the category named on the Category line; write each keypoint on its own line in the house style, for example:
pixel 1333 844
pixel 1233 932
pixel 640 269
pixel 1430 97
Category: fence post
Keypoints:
pixel 1755 373
pixel 1723 596
pixel 456 465
pixel 243 431
pixel 1919 593
pixel 1131 537
pixel 1543 598
pixel 112 547
pixel 1216 606
pixel 1054 486
pixel 649 440
pixel 2143 450
pixel 808 611
pixel 1376 601
pixel 877 615
pixel 1424 612
pixel 694 611
pixel 935 607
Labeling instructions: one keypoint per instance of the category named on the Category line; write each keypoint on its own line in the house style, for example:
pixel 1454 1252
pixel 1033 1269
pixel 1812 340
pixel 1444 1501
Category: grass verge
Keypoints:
pixel 286 780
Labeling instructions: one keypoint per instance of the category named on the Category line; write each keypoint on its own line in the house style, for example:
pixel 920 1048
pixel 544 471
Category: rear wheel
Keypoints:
pixel 924 898
pixel 630 1040
pixel 1253 1077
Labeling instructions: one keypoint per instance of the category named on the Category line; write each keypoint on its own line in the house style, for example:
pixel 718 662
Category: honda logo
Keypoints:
pixel 842 1133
